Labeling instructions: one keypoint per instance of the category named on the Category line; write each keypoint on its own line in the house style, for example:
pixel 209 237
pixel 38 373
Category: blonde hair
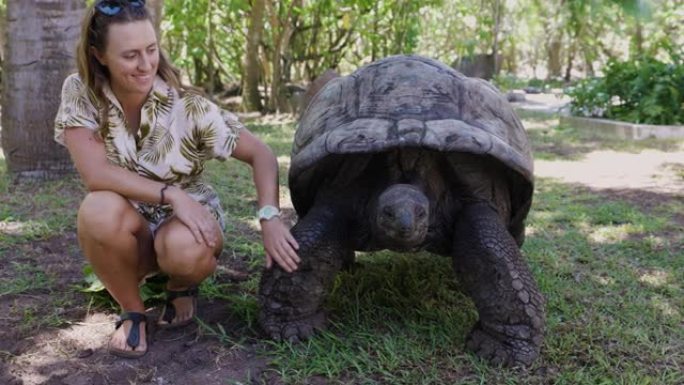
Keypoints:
pixel 94 30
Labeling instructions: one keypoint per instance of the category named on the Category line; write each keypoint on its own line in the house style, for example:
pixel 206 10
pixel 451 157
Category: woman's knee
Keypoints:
pixel 104 214
pixel 192 264
pixel 179 254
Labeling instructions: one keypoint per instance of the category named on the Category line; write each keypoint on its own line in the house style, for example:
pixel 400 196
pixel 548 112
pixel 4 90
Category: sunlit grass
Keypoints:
pixel 551 141
pixel 612 273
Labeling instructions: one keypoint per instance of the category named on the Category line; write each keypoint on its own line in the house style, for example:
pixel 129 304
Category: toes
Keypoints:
pixel 504 351
pixel 119 339
pixel 293 331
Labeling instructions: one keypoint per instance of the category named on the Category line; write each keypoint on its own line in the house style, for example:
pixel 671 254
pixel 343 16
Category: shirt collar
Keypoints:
pixel 159 89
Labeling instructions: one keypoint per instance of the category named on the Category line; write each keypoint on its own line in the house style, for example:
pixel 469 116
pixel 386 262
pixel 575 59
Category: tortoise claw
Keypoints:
pixel 503 350
pixel 294 331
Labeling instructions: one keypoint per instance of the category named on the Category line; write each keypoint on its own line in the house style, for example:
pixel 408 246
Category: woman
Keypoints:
pixel 139 141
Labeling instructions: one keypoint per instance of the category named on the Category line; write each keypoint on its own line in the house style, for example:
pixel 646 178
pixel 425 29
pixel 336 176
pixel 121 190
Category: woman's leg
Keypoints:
pixel 117 242
pixel 186 262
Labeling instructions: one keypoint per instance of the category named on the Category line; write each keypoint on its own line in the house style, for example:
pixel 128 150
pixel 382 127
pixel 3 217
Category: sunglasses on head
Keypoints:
pixel 113 7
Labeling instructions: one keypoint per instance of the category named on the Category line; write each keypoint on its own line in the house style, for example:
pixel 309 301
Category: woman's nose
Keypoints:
pixel 144 63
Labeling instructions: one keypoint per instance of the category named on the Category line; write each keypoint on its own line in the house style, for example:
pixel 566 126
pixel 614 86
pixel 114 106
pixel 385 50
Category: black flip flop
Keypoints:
pixel 169 311
pixel 133 339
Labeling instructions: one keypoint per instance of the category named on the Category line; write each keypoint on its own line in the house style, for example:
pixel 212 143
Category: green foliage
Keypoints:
pixel 507 82
pixel 206 39
pixel 452 29
pixel 392 27
pixel 325 33
pixel 644 90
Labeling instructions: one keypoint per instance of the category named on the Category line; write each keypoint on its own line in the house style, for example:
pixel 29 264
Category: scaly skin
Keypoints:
pixel 290 302
pixel 486 258
pixel 510 330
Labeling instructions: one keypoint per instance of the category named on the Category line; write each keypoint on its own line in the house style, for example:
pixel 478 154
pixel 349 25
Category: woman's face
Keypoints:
pixel 132 57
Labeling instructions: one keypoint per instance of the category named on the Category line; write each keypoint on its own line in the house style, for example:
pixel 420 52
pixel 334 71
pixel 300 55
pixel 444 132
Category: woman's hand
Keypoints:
pixel 279 244
pixel 195 216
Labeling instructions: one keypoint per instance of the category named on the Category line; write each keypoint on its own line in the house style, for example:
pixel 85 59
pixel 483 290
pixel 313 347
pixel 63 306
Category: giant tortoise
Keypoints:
pixel 408 154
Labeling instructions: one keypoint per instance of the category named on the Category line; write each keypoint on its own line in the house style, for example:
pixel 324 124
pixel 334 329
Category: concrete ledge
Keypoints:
pixel 624 130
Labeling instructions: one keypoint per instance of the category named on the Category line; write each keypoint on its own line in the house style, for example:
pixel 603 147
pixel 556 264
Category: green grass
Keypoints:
pixel 551 141
pixel 611 271
pixel 614 307
pixel 23 279
pixel 36 211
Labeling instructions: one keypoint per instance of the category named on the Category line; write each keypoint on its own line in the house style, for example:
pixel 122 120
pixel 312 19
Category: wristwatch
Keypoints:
pixel 268 212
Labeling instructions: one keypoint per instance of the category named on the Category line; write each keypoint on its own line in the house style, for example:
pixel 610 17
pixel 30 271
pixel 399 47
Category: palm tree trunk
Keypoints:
pixel 41 42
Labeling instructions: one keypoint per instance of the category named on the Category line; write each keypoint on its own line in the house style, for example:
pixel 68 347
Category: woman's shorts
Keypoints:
pixel 157 214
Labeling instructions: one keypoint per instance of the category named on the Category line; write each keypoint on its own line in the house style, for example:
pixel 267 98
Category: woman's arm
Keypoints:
pixel 98 174
pixel 279 243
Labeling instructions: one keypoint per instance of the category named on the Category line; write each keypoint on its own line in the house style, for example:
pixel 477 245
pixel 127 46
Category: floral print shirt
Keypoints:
pixel 177 135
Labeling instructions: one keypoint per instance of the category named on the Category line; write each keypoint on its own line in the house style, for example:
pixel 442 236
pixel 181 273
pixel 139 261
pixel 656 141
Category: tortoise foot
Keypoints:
pixel 500 349
pixel 294 331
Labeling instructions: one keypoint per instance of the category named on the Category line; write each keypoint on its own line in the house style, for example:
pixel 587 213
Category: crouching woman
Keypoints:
pixel 140 141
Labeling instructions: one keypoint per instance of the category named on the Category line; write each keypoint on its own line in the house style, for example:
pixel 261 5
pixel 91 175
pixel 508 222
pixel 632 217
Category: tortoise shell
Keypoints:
pixel 407 101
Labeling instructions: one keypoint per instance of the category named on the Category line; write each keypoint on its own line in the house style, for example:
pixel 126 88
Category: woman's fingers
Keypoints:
pixel 195 230
pixel 292 241
pixel 208 234
pixel 289 250
pixel 198 219
pixel 287 256
pixel 280 258
pixel 280 245
pixel 201 231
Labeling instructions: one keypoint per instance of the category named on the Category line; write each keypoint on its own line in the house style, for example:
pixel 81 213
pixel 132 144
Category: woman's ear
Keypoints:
pixel 98 56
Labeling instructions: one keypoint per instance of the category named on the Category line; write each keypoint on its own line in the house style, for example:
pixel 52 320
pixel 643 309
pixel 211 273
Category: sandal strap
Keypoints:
pixel 133 339
pixel 170 309
pixel 173 294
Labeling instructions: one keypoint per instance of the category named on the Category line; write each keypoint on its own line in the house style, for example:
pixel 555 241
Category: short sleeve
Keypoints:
pixel 221 131
pixel 75 109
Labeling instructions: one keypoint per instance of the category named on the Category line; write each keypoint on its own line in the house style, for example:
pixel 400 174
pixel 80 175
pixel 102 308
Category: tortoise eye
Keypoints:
pixel 388 212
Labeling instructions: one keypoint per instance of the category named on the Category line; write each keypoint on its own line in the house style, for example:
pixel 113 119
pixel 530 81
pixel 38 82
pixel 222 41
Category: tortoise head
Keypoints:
pixel 402 217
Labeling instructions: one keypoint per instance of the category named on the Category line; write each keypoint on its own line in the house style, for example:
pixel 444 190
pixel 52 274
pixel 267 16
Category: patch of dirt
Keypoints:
pixel 649 170
pixel 71 348
pixel 647 180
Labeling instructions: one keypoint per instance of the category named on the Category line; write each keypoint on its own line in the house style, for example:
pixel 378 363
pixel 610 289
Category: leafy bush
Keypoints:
pixel 643 90
pixel 507 82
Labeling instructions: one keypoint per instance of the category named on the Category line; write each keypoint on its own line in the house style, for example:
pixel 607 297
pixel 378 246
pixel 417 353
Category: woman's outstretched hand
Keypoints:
pixel 279 244
pixel 195 216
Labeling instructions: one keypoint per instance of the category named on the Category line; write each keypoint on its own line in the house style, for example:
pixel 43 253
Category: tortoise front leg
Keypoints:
pixel 511 308
pixel 290 302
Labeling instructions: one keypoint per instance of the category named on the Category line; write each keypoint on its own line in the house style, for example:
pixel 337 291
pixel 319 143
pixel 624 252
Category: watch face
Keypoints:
pixel 268 212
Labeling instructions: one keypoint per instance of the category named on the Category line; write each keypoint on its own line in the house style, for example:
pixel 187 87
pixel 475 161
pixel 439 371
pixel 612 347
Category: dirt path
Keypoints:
pixel 649 170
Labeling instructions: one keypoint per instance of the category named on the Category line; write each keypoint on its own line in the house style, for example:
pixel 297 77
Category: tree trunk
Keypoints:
pixel 156 8
pixel 495 38
pixel 283 30
pixel 554 64
pixel 637 39
pixel 570 61
pixel 41 42
pixel 251 100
